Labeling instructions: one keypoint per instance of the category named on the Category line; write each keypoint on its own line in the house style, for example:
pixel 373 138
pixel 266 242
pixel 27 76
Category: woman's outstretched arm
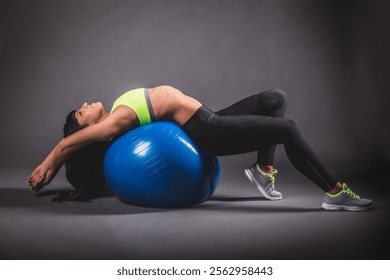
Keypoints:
pixel 46 171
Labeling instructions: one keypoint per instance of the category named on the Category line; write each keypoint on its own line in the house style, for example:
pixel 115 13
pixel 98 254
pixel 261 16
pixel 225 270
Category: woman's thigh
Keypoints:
pixel 228 135
pixel 263 103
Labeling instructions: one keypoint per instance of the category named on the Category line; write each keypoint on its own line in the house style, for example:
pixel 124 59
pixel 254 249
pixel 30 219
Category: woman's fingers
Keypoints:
pixel 36 187
pixel 39 178
pixel 34 182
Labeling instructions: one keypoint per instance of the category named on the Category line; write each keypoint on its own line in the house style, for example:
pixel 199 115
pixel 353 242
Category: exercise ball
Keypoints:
pixel 159 165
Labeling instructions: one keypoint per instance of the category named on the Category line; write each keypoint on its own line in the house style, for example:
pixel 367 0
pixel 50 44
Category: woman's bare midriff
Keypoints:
pixel 170 103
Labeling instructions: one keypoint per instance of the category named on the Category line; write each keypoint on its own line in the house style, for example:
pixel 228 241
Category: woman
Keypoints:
pixel 256 123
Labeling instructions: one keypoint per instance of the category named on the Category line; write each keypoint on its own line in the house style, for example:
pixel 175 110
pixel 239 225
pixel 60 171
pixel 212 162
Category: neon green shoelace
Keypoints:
pixel 347 191
pixel 271 177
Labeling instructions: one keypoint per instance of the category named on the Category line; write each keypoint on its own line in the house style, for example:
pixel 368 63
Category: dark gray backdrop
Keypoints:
pixel 331 57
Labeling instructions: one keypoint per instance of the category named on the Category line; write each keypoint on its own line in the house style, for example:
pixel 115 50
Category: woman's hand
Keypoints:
pixel 41 176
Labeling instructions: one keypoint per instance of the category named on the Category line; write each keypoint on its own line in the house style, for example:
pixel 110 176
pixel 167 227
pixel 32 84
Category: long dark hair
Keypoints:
pixel 84 169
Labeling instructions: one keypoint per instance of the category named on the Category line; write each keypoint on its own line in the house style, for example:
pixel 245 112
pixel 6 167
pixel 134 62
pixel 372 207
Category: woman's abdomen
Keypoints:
pixel 171 104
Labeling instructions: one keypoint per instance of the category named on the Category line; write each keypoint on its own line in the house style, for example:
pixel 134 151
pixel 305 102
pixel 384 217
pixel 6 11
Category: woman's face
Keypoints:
pixel 89 114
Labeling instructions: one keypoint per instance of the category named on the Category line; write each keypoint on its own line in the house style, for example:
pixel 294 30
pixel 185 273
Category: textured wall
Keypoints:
pixel 329 56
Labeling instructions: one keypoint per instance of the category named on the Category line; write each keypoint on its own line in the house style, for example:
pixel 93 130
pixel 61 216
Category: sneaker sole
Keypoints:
pixel 253 180
pixel 333 207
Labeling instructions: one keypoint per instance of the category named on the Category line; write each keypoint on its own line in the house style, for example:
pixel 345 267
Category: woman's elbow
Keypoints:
pixel 63 146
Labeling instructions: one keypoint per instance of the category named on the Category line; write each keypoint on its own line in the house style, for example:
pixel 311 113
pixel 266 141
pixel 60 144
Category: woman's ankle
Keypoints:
pixel 266 168
pixel 336 189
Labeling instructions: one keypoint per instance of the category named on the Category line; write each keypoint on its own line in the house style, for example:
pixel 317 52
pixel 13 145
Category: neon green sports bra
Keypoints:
pixel 138 100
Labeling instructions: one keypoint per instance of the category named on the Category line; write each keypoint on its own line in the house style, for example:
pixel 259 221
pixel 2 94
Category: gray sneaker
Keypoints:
pixel 346 200
pixel 264 182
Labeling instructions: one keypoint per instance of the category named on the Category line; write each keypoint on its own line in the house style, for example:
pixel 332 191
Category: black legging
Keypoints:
pixel 257 123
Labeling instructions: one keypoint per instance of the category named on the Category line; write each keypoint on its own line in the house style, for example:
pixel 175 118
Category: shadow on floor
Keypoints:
pixel 110 205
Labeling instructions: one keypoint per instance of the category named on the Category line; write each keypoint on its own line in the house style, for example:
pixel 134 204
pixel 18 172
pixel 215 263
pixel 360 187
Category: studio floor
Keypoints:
pixel 234 224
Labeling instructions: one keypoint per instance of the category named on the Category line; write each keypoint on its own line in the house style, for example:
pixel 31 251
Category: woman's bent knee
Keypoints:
pixel 281 96
pixel 280 101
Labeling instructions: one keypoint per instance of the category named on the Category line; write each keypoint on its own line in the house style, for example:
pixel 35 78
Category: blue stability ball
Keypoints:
pixel 158 165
